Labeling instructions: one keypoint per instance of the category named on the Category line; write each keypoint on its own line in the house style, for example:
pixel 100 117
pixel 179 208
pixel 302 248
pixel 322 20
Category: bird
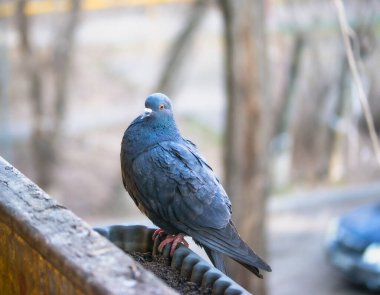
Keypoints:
pixel 172 184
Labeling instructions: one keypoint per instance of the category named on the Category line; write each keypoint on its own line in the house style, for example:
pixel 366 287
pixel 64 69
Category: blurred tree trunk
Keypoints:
pixel 285 113
pixel 41 151
pixel 62 61
pixel 5 133
pixel 374 101
pixel 180 46
pixel 44 136
pixel 333 162
pixel 247 131
pixel 285 110
pixel 311 116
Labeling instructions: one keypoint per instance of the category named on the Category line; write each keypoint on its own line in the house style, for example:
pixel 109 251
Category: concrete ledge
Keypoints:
pixel 46 249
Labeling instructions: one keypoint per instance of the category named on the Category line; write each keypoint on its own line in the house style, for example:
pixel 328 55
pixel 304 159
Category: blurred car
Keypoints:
pixel 353 246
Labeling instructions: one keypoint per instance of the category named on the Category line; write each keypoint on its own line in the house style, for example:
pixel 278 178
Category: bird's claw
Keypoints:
pixel 175 240
pixel 158 232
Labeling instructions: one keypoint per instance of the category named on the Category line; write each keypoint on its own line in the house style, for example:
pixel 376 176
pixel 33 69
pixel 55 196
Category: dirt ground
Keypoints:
pixel 160 266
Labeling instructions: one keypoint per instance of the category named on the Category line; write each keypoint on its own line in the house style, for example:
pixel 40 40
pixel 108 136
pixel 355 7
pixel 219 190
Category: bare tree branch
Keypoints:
pixel 346 31
pixel 180 46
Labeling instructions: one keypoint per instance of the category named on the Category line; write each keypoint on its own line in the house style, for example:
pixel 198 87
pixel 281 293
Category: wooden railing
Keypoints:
pixel 46 249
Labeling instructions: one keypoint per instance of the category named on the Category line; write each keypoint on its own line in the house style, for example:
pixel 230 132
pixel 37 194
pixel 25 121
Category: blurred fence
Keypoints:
pixel 50 6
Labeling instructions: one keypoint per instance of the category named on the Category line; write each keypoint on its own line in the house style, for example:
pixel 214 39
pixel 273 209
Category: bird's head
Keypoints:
pixel 157 105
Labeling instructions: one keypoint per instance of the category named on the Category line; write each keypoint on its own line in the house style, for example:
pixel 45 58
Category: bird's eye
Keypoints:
pixel 162 106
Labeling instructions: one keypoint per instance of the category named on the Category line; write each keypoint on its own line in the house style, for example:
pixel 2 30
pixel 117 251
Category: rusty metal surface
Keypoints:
pixel 46 249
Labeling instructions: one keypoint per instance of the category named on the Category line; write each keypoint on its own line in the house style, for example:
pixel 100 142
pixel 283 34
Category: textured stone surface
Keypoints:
pixel 46 249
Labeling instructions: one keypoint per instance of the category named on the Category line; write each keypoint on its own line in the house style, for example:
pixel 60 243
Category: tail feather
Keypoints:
pixel 217 259
pixel 228 242
pixel 252 269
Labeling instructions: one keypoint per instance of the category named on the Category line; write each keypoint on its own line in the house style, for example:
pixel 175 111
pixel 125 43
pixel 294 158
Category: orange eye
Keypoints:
pixel 162 106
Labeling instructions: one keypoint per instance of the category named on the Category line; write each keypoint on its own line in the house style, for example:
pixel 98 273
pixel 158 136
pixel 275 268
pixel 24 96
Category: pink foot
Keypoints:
pixel 176 239
pixel 158 232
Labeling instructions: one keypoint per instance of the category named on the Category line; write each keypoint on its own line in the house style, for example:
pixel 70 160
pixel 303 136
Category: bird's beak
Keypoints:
pixel 147 112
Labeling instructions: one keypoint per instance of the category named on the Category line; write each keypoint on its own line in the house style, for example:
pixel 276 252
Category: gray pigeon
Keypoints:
pixel 177 190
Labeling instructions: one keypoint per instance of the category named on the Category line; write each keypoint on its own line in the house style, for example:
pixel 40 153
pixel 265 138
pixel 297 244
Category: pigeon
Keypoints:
pixel 172 184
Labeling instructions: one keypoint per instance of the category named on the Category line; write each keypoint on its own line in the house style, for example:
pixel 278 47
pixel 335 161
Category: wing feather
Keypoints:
pixel 172 178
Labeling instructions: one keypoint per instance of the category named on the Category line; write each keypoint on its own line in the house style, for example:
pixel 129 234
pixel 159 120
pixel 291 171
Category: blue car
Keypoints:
pixel 353 246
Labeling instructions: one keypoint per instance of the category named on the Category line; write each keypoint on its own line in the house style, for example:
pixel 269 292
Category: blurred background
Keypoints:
pixel 263 88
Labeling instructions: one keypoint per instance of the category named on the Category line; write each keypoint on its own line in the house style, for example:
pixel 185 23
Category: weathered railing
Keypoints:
pixel 46 249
